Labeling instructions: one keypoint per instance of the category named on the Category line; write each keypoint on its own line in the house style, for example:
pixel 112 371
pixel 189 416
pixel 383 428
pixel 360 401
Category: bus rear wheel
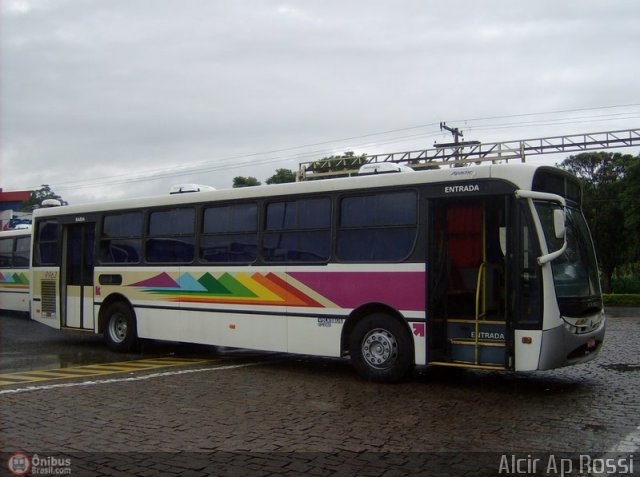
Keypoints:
pixel 381 348
pixel 120 327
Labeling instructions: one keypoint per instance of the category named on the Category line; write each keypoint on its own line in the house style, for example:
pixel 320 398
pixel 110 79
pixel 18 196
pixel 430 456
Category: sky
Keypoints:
pixel 124 98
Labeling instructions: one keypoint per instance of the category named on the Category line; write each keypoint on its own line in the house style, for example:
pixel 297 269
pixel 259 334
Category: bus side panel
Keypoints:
pixel 14 289
pixel 340 289
pixel 319 336
pixel 45 290
pixel 271 308
pixel 14 300
pixel 527 349
pixel 255 331
pixel 15 275
pixel 419 342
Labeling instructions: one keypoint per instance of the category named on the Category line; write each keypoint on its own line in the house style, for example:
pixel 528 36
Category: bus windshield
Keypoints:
pixel 575 272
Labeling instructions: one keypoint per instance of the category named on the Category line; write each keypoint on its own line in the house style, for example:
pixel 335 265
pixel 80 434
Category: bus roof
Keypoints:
pixel 15 233
pixel 520 175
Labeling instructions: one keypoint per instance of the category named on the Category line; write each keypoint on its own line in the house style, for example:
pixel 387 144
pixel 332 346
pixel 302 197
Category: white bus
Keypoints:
pixel 15 247
pixel 486 267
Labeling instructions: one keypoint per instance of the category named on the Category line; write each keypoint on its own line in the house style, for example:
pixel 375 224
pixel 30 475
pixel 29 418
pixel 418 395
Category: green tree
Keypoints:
pixel 345 162
pixel 282 176
pixel 240 181
pixel 631 205
pixel 605 176
pixel 38 195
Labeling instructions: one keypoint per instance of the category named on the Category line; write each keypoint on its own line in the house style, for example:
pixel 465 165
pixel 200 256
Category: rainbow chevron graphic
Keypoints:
pixel 14 281
pixel 275 289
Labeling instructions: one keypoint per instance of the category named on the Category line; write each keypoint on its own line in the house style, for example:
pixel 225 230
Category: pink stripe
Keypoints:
pixel 401 290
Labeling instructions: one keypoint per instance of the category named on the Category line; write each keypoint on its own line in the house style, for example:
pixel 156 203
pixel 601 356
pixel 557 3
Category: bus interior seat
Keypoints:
pixel 464 235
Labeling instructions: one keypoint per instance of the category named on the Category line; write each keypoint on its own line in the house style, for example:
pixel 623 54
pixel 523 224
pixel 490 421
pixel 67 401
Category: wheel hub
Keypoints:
pixel 379 348
pixel 118 329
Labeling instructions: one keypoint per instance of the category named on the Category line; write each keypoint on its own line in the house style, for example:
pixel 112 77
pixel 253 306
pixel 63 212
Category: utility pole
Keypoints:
pixel 457 134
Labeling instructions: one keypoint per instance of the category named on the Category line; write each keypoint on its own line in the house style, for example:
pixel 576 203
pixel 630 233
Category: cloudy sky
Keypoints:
pixel 123 98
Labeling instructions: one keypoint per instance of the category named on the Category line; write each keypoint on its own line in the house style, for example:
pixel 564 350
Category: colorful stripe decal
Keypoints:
pixel 346 290
pixel 240 288
pixel 401 290
pixel 14 281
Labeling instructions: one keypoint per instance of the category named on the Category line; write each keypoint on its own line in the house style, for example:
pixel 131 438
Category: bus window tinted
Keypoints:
pixel 21 255
pixel 230 218
pixel 298 231
pixel 378 227
pixel 123 225
pixel 378 210
pixel 171 236
pixel 229 234
pixel 555 183
pixel 6 253
pixel 301 214
pixel 172 222
pixel 47 240
pixel 121 240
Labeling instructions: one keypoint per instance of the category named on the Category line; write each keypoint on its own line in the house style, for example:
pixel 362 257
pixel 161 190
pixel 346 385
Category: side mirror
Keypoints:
pixel 558 223
pixel 502 236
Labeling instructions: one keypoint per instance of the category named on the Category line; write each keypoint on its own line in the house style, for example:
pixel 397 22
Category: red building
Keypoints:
pixel 10 203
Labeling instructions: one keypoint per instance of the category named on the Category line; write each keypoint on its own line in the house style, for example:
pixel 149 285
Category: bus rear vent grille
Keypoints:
pixel 48 288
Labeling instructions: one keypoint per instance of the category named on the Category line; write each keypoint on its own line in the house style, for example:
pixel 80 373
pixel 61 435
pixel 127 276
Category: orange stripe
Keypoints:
pixel 308 301
pixel 289 298
pixel 231 301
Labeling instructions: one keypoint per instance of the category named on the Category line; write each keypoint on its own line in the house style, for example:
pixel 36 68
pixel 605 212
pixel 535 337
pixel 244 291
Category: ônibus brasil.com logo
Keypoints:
pixel 19 464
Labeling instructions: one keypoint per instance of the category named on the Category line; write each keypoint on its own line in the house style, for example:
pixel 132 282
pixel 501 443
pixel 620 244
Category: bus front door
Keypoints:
pixel 77 276
pixel 467 319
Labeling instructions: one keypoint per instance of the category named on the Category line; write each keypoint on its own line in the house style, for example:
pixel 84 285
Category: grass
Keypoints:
pixel 621 299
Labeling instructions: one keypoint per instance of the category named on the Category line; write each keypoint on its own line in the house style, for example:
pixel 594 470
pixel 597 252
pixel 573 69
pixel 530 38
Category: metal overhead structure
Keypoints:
pixel 460 154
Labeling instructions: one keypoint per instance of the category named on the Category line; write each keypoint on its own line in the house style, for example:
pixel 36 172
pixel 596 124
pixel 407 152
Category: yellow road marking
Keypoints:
pixel 94 370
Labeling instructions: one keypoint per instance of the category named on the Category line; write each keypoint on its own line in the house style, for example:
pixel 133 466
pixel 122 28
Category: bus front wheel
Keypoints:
pixel 381 348
pixel 120 327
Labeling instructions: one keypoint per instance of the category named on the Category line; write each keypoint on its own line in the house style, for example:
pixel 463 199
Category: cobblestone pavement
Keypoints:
pixel 272 415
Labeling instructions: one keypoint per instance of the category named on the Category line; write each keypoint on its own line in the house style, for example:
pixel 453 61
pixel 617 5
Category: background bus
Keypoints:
pixel 485 267
pixel 15 247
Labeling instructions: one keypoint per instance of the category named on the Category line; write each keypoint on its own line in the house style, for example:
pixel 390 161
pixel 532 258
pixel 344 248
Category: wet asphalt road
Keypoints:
pixel 28 345
pixel 247 413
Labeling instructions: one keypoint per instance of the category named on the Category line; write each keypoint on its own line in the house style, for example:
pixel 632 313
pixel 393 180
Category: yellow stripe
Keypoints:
pixel 17 377
pixel 261 291
pixel 98 369
pixel 480 343
pixel 464 364
pixel 112 369
pixel 483 322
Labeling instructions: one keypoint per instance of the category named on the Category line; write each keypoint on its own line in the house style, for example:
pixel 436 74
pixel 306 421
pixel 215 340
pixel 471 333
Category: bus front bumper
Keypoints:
pixel 562 347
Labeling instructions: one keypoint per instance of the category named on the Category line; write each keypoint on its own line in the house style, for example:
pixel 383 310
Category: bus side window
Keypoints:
pixel 46 251
pixel 6 252
pixel 171 236
pixel 380 227
pixel 21 255
pixel 298 231
pixel 229 234
pixel 121 240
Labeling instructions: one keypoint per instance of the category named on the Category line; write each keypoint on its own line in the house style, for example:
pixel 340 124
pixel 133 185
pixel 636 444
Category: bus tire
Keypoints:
pixel 120 327
pixel 381 348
